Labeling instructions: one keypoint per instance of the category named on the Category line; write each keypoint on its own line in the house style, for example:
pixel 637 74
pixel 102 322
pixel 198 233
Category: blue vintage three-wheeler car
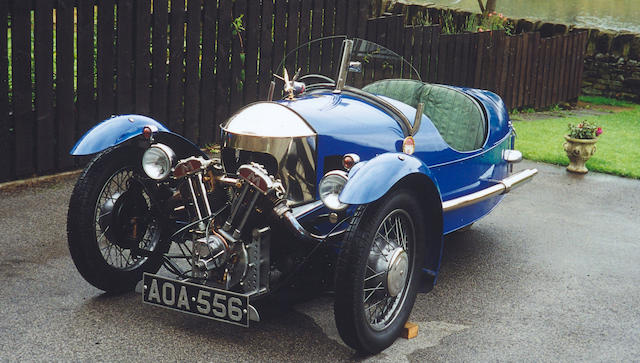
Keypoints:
pixel 347 182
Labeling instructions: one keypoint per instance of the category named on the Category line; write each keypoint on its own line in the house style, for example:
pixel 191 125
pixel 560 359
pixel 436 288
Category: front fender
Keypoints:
pixel 370 180
pixel 114 131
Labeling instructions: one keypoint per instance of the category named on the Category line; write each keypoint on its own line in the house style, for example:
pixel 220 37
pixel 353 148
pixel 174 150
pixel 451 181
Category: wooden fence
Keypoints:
pixel 67 64
pixel 525 69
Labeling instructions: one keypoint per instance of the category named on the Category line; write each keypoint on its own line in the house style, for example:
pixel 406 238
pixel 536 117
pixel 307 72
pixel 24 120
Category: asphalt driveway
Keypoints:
pixel 552 274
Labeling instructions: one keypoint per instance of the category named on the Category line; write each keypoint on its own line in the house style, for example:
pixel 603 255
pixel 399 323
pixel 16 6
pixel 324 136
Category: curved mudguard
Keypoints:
pixel 369 181
pixel 120 129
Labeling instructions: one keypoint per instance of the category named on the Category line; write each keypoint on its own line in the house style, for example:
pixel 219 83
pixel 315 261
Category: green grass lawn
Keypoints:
pixel 618 148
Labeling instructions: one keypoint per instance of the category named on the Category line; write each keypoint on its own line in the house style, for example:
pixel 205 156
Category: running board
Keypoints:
pixel 502 187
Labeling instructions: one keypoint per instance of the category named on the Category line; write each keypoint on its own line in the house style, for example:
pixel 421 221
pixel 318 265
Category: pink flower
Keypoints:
pixel 490 14
pixel 500 15
pixel 599 131
pixel 580 125
pixel 480 30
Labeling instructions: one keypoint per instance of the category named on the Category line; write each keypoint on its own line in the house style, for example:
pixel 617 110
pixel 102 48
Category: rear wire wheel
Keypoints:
pixel 377 272
pixel 114 230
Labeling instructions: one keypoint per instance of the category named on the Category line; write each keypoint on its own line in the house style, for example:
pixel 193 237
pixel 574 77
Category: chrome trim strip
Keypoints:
pixel 305 209
pixel 502 187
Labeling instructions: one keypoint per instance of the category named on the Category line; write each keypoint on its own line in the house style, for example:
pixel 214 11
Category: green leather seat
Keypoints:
pixel 404 90
pixel 457 116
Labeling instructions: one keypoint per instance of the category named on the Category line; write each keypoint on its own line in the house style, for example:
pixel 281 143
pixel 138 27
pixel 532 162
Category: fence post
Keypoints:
pixel 22 88
pixel 6 154
pixel 65 111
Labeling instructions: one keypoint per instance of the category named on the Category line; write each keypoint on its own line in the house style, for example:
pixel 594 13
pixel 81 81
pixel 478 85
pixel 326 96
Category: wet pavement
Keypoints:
pixel 552 273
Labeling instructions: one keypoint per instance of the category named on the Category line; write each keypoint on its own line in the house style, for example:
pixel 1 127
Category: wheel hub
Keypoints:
pixel 397 272
pixel 125 216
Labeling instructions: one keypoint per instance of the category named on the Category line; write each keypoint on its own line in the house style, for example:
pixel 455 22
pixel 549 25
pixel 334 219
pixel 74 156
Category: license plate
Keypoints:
pixel 200 300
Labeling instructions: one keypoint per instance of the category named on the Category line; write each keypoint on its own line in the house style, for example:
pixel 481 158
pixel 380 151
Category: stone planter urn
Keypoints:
pixel 579 151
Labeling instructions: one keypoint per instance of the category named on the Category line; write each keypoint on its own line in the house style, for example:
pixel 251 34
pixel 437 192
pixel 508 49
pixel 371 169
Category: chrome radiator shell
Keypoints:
pixel 274 129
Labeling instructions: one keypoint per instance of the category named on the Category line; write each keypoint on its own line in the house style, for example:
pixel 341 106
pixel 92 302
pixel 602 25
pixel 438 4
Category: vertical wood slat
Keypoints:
pixel 293 22
pixel 575 57
pixel 547 73
pixel 175 116
pixel 504 61
pixel 86 61
pixel 416 51
pixel 304 35
pixel 443 42
pixel 341 17
pixel 425 34
pixel 433 57
pixel 22 88
pixel 266 48
pixel 65 110
pixel 511 61
pixel 159 85
pixel 362 16
pixel 466 59
pixel 489 71
pixel 238 59
pixel 326 65
pixel 252 45
pixel 482 39
pixel 407 35
pixel 540 72
pixel 192 71
pixel 397 39
pixel 105 63
pixel 574 64
pixel 517 70
pixel 524 45
pixel 43 52
pixel 223 74
pixel 316 33
pixel 5 125
pixel 531 66
pixel 352 18
pixel 500 65
pixel 582 45
pixel 142 73
pixel 124 57
pixel 207 123
pixel 553 80
pixel 562 55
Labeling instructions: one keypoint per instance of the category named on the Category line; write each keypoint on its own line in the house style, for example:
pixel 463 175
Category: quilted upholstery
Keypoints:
pixel 457 116
pixel 404 90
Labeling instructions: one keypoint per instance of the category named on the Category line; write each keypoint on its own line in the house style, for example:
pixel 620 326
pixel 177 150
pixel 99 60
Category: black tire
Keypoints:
pixel 109 253
pixel 361 291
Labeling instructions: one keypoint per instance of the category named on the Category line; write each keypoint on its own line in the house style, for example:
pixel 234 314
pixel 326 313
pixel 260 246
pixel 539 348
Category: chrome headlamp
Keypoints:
pixel 330 187
pixel 157 161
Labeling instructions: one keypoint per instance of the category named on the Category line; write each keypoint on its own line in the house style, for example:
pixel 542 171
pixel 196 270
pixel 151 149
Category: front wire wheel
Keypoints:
pixel 114 229
pixel 377 272
pixel 142 229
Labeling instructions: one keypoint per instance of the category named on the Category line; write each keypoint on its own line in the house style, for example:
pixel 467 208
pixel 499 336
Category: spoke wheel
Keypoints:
pixel 114 230
pixel 377 272
pixel 124 223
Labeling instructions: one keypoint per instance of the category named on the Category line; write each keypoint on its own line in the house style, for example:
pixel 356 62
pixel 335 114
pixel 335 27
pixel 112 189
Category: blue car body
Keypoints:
pixel 374 173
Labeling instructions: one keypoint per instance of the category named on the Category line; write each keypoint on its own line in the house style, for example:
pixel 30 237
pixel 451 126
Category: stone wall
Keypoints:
pixel 612 65
pixel 612 61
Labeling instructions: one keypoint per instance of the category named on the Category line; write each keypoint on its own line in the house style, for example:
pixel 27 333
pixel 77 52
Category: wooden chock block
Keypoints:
pixel 410 330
